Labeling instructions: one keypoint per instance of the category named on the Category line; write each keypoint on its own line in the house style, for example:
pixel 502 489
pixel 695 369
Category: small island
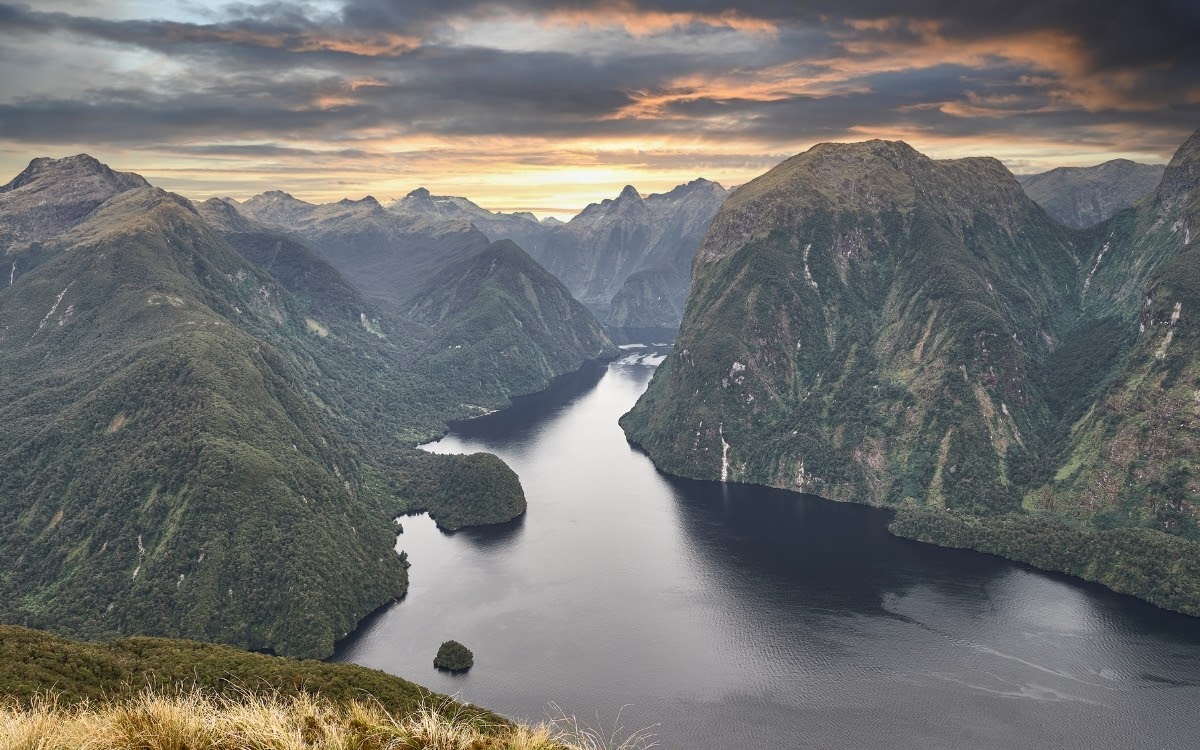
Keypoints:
pixel 454 657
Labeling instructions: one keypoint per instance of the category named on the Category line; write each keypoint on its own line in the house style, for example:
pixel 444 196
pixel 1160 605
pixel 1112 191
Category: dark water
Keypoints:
pixel 739 617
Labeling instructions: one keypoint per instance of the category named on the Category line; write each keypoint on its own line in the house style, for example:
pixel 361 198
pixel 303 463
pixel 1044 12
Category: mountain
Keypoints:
pixel 868 324
pixel 1083 196
pixel 851 308
pixel 1130 457
pixel 386 255
pixel 488 314
pixel 522 228
pixel 156 445
pixel 206 430
pixel 503 321
pixel 629 259
pixel 53 195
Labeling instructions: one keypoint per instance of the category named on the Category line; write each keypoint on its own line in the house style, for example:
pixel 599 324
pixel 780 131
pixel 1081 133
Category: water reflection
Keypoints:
pixel 735 616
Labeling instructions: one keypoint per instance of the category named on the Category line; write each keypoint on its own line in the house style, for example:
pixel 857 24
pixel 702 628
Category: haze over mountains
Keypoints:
pixel 194 391
pixel 868 324
pixel 207 430
pixel 628 259
pixel 1083 196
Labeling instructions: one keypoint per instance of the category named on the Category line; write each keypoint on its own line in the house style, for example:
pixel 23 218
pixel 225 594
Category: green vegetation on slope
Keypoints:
pixel 460 491
pixel 498 319
pixel 868 324
pixel 166 468
pixel 39 663
pixel 1130 457
pixel 1081 197
pixel 1162 569
pixel 207 435
pixel 875 352
pixel 160 694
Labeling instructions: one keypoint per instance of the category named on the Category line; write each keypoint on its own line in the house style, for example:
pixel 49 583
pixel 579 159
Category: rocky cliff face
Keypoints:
pixel 648 242
pixel 871 325
pixel 53 195
pixel 1131 453
pixel 862 324
pixel 1084 196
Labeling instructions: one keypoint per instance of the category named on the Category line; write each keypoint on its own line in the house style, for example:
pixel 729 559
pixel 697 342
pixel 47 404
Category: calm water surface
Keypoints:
pixel 740 617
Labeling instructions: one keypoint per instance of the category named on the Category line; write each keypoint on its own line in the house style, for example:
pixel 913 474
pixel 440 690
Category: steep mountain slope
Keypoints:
pixel 870 325
pixel 500 319
pixel 203 442
pixel 386 255
pixel 648 242
pixel 1083 196
pixel 861 325
pixel 409 261
pixel 1131 458
pixel 158 455
pixel 53 195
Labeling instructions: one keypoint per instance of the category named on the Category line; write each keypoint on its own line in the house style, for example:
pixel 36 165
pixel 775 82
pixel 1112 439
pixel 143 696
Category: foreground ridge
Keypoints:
pixel 165 694
pixel 199 720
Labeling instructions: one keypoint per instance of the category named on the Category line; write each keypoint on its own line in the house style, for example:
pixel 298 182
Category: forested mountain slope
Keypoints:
pixel 868 324
pixel 207 430
pixel 472 330
pixel 160 454
pixel 629 259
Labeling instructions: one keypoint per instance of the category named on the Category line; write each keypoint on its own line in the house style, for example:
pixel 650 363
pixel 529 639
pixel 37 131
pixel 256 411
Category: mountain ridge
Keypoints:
pixel 1081 197
pixel 920 334
pixel 180 421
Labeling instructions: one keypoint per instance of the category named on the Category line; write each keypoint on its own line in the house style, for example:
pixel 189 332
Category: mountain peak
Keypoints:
pixel 53 195
pixel 368 201
pixel 222 214
pixel 698 186
pixel 74 168
pixel 629 192
pixel 419 194
pixel 1183 171
pixel 869 177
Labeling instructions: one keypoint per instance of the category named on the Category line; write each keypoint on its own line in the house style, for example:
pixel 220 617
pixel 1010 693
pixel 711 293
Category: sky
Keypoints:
pixel 547 106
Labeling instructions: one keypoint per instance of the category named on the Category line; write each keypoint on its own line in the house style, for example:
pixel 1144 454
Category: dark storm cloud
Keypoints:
pixel 1116 33
pixel 284 72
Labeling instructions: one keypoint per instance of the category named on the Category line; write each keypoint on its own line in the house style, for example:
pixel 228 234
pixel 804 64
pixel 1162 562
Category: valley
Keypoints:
pixel 599 375
pixel 871 325
pixel 217 414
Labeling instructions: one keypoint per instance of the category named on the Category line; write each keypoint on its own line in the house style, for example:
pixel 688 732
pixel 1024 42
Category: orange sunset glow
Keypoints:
pixel 549 106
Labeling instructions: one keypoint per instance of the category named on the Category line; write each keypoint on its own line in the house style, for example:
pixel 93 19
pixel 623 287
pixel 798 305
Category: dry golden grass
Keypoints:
pixel 195 720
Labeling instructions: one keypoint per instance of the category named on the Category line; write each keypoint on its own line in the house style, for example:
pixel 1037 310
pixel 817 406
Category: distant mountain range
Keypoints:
pixel 1081 197
pixel 630 259
pixel 206 429
pixel 627 259
pixel 868 324
pixel 208 412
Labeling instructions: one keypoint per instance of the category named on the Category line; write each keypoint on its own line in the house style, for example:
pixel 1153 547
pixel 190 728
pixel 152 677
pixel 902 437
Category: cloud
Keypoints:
pixel 655 87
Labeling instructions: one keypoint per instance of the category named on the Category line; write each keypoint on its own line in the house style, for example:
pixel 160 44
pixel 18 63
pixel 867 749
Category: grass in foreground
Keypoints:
pixel 199 720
